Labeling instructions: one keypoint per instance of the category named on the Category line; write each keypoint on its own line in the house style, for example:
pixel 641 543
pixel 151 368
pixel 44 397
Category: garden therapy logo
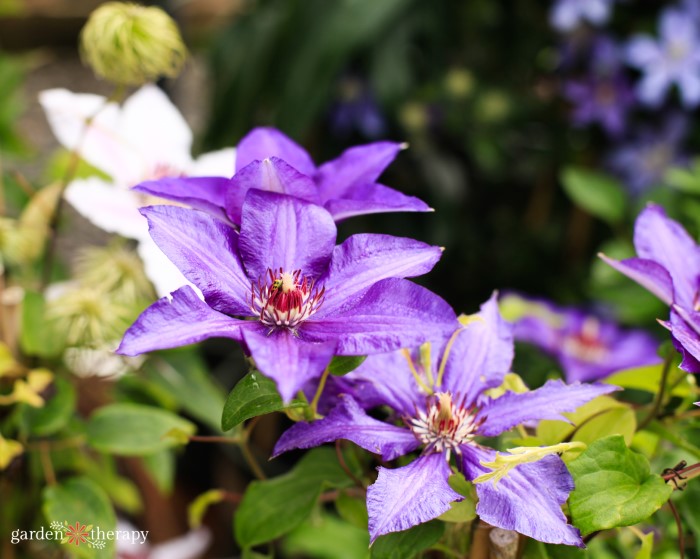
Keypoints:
pixel 78 534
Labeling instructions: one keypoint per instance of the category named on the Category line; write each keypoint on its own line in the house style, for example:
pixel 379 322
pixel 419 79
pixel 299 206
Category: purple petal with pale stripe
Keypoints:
pixel 262 143
pixel 647 273
pixel 407 496
pixel 184 320
pixel 371 199
pixel 481 355
pixel 356 167
pixel 272 175
pixel 348 421
pixel 385 380
pixel 288 360
pixel 547 402
pixel 205 250
pixel 658 238
pixel 528 500
pixel 392 314
pixel 201 193
pixel 364 259
pixel 282 231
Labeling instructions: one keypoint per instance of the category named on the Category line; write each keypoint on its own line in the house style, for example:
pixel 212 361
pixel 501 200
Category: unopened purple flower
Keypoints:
pixel 603 100
pixel 668 265
pixel 266 159
pixel 587 347
pixel 284 289
pixel 441 408
pixel 673 59
pixel 566 15
pixel 643 161
pixel 356 110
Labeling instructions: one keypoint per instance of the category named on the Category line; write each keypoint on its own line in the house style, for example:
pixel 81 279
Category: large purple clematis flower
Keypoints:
pixel 587 347
pixel 442 408
pixel 674 59
pixel 567 14
pixel 668 265
pixel 268 160
pixel 283 288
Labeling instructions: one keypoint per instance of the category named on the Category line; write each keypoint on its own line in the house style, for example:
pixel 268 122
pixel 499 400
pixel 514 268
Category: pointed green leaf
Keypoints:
pixel 614 487
pixel 254 395
pixel 406 544
pixel 597 193
pixel 344 364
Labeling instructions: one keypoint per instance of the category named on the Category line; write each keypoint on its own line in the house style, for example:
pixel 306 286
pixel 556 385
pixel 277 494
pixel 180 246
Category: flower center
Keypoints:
pixel 586 345
pixel 285 299
pixel 445 425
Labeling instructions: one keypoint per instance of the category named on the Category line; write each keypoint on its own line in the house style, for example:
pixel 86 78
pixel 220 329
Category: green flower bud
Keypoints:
pixel 130 44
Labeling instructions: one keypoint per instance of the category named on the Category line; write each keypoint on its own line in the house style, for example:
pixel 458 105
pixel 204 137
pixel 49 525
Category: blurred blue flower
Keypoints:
pixel 356 110
pixel 642 162
pixel 566 15
pixel 602 100
pixel 673 59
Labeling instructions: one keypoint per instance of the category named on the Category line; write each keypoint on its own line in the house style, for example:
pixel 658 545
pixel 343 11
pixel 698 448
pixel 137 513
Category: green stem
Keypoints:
pixel 321 385
pixel 659 400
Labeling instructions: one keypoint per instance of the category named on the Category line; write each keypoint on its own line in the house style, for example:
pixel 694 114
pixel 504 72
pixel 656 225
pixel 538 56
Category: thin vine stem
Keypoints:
pixel 660 395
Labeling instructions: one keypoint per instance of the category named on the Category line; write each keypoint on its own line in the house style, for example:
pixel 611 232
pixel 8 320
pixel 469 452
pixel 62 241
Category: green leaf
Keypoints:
pixel 646 548
pixel 344 364
pixel 198 507
pixel 79 499
pixel 254 395
pixel 324 536
pixel 274 507
pixel 539 550
pixel 37 336
pixel 597 193
pixel 685 179
pixel 614 487
pixel 352 509
pixel 123 492
pixel 461 511
pixel 648 379
pixel 184 375
pixel 53 416
pixel 161 466
pixel 406 544
pixel 133 429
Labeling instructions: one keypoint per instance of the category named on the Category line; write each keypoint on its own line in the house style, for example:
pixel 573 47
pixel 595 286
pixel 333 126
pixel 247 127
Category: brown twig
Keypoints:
pixel 659 400
pixel 679 524
pixel 346 468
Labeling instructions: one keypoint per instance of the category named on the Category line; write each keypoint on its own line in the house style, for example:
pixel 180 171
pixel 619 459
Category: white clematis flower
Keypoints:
pixel 144 139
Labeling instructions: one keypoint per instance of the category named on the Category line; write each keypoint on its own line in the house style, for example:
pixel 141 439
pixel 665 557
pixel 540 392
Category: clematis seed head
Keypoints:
pixel 130 44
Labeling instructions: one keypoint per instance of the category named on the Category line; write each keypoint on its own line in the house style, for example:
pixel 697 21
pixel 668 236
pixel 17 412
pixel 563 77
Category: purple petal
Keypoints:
pixel 364 259
pixel 206 252
pixel 279 231
pixel 356 167
pixel 348 421
pixel 481 355
pixel 184 320
pixel 392 314
pixel 201 193
pixel 287 360
pixel 547 402
pixel 272 175
pixel 684 326
pixel 528 500
pixel 262 143
pixel 371 199
pixel 642 51
pixel 405 497
pixel 658 238
pixel 385 380
pixel 650 275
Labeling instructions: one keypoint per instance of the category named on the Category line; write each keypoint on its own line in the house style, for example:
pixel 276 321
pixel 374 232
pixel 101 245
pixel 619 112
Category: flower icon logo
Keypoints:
pixel 77 534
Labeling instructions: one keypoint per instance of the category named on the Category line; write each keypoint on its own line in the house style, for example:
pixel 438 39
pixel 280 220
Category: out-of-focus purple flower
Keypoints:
pixel 284 289
pixel 692 9
pixel 668 265
pixel 602 100
pixel 673 59
pixel 442 406
pixel 566 15
pixel 587 347
pixel 643 161
pixel 356 110
pixel 268 160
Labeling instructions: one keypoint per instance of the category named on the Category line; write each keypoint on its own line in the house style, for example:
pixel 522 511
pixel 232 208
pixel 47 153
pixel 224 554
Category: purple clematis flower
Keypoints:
pixel 566 15
pixel 643 161
pixel 587 347
pixel 268 160
pixel 668 265
pixel 674 59
pixel 442 408
pixel 286 291
pixel 604 100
